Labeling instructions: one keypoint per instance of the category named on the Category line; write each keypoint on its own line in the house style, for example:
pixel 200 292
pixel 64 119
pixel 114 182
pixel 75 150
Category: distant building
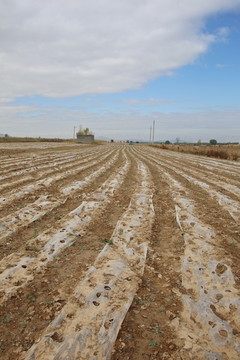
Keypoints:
pixel 85 139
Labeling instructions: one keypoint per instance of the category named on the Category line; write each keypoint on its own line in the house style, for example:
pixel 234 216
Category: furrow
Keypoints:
pixel 220 167
pixel 46 182
pixel 101 300
pixel 37 159
pixel 39 165
pixel 116 236
pixel 17 270
pixel 20 166
pixel 211 177
pixel 46 203
pixel 210 319
pixel 230 205
pixel 147 331
pixel 209 322
pixel 32 307
pixel 17 162
pixel 73 166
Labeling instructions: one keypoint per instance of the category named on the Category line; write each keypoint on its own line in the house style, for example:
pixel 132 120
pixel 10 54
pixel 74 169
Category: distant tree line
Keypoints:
pixel 199 142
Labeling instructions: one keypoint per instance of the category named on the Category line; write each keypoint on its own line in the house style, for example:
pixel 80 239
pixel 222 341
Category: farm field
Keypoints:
pixel 106 241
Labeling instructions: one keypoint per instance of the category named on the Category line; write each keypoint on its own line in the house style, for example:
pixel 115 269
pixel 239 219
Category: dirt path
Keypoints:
pixel 97 239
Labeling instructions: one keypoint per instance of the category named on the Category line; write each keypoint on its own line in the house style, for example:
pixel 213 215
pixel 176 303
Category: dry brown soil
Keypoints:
pixel 133 242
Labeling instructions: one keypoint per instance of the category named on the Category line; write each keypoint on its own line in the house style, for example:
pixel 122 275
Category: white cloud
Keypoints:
pixel 222 66
pixel 5 100
pixel 222 34
pixel 64 48
pixel 147 101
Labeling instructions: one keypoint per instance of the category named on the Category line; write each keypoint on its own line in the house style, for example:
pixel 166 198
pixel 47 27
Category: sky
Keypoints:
pixel 116 66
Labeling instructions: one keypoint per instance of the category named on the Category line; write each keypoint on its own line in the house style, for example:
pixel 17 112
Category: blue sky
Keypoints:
pixel 115 73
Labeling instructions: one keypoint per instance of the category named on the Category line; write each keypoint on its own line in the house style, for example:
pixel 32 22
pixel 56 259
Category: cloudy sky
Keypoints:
pixel 115 66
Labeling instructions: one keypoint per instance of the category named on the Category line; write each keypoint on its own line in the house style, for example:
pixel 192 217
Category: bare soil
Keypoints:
pixel 118 252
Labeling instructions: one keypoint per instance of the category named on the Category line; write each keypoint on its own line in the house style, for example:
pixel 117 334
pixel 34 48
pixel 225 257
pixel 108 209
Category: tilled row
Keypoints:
pixel 100 302
pixel 22 162
pixel 25 240
pixel 229 202
pixel 20 166
pixel 213 168
pixel 147 331
pixel 23 278
pixel 197 167
pixel 211 296
pixel 53 173
pixel 46 203
pixel 207 178
pixel 209 322
pixel 69 300
pixel 49 186
pixel 19 269
pixel 210 209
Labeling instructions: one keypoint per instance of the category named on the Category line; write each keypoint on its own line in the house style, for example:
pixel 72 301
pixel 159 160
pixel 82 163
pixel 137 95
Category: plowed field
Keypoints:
pixel 118 252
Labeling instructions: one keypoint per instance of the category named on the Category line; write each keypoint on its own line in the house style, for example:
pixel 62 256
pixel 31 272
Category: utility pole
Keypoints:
pixel 153 131
pixel 74 130
pixel 150 139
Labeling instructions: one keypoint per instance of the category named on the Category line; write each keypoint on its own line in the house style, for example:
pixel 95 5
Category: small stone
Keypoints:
pixel 96 303
pixel 212 324
pixel 57 337
pixel 107 325
pixel 220 269
pixel 219 296
pixel 107 287
pixel 223 333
